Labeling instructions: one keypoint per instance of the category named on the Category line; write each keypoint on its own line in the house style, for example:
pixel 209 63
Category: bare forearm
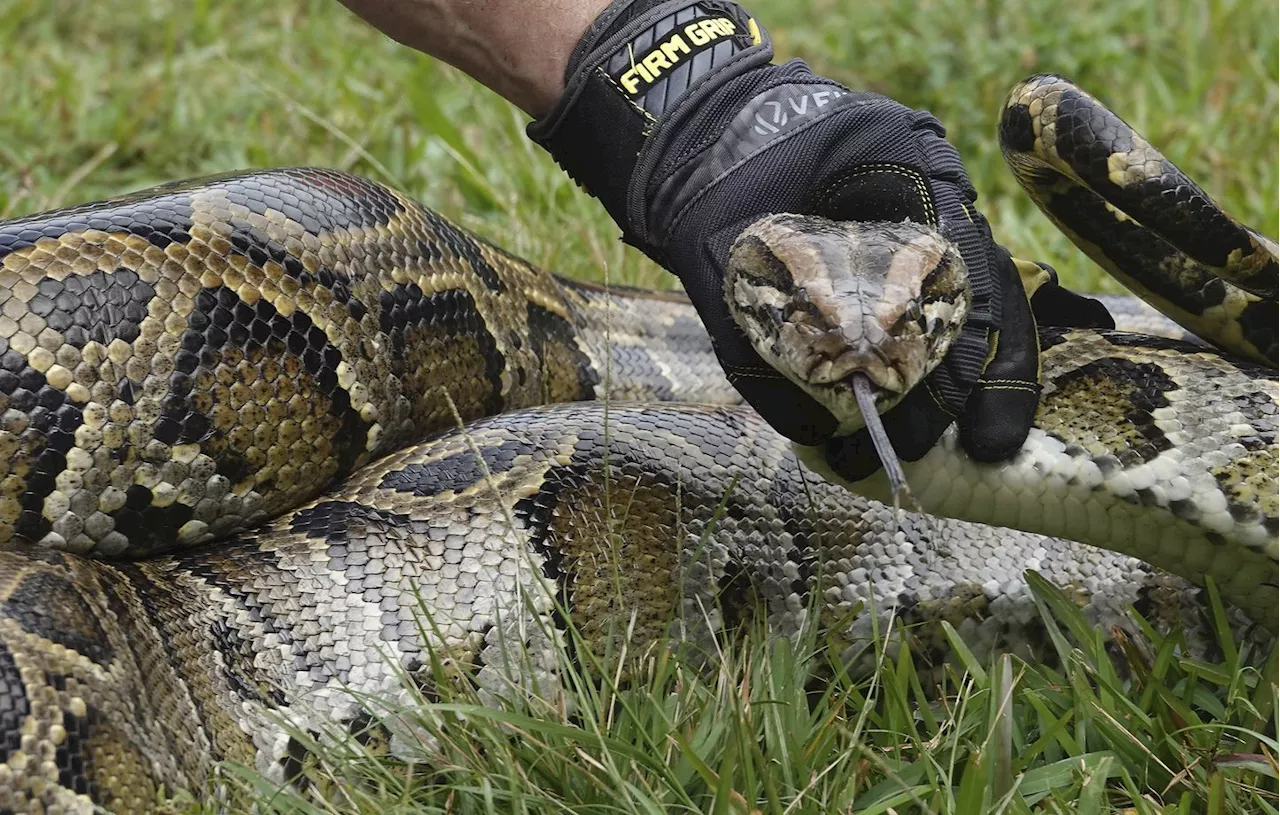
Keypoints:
pixel 518 48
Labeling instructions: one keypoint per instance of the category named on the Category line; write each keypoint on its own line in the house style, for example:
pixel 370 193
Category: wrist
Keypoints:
pixel 630 74
pixel 518 48
pixel 534 68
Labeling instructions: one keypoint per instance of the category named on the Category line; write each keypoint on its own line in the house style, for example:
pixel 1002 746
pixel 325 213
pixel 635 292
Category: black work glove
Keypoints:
pixel 1053 305
pixel 854 457
pixel 675 119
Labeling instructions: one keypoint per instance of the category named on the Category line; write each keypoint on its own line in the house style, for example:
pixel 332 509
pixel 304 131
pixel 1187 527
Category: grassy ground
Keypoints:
pixel 779 727
pixel 116 95
pixel 100 98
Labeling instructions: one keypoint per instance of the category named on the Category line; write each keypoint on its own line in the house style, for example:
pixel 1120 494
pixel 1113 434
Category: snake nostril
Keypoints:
pixel 877 351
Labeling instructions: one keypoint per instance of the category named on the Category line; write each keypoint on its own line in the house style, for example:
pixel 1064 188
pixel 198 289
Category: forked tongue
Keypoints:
pixel 864 393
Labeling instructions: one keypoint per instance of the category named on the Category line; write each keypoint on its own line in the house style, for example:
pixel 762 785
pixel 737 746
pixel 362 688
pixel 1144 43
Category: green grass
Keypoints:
pixel 776 726
pixel 101 98
pixel 113 96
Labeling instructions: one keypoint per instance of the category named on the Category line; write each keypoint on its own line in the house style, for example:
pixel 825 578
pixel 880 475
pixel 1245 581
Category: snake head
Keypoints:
pixel 821 300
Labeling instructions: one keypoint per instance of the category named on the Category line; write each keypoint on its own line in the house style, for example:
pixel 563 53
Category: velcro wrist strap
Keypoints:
pixel 631 69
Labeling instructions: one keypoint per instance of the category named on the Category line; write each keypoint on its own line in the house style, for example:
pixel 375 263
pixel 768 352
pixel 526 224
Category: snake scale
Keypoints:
pixel 232 475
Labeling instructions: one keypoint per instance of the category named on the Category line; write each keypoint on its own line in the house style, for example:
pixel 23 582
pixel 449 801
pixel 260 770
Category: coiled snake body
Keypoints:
pixel 182 365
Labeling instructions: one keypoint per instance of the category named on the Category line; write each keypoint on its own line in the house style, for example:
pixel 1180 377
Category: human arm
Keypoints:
pixel 518 48
pixel 673 115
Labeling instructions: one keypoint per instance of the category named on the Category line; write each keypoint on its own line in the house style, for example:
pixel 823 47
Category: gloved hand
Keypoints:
pixel 675 119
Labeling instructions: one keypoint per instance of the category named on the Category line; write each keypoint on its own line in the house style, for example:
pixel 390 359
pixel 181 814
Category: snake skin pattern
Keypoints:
pixel 1134 447
pixel 193 360
pixel 1142 219
pixel 181 364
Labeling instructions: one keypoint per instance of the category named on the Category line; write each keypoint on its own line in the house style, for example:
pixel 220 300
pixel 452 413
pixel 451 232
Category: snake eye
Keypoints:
pixel 915 315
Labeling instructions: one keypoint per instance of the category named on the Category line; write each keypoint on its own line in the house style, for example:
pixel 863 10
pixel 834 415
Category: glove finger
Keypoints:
pixel 787 409
pixel 1051 304
pixel 1002 405
pixel 913 426
pixel 941 157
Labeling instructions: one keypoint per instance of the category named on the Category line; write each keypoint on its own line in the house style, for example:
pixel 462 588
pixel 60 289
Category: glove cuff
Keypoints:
pixel 633 67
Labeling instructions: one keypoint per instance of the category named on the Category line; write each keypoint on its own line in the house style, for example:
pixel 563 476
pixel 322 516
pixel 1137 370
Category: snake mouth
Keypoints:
pixel 865 358
pixel 865 386
pixel 823 354
pixel 869 405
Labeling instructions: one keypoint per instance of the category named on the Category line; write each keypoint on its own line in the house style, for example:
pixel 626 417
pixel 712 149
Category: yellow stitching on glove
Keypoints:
pixel 646 114
pixel 745 373
pixel 937 400
pixel 922 189
pixel 984 386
